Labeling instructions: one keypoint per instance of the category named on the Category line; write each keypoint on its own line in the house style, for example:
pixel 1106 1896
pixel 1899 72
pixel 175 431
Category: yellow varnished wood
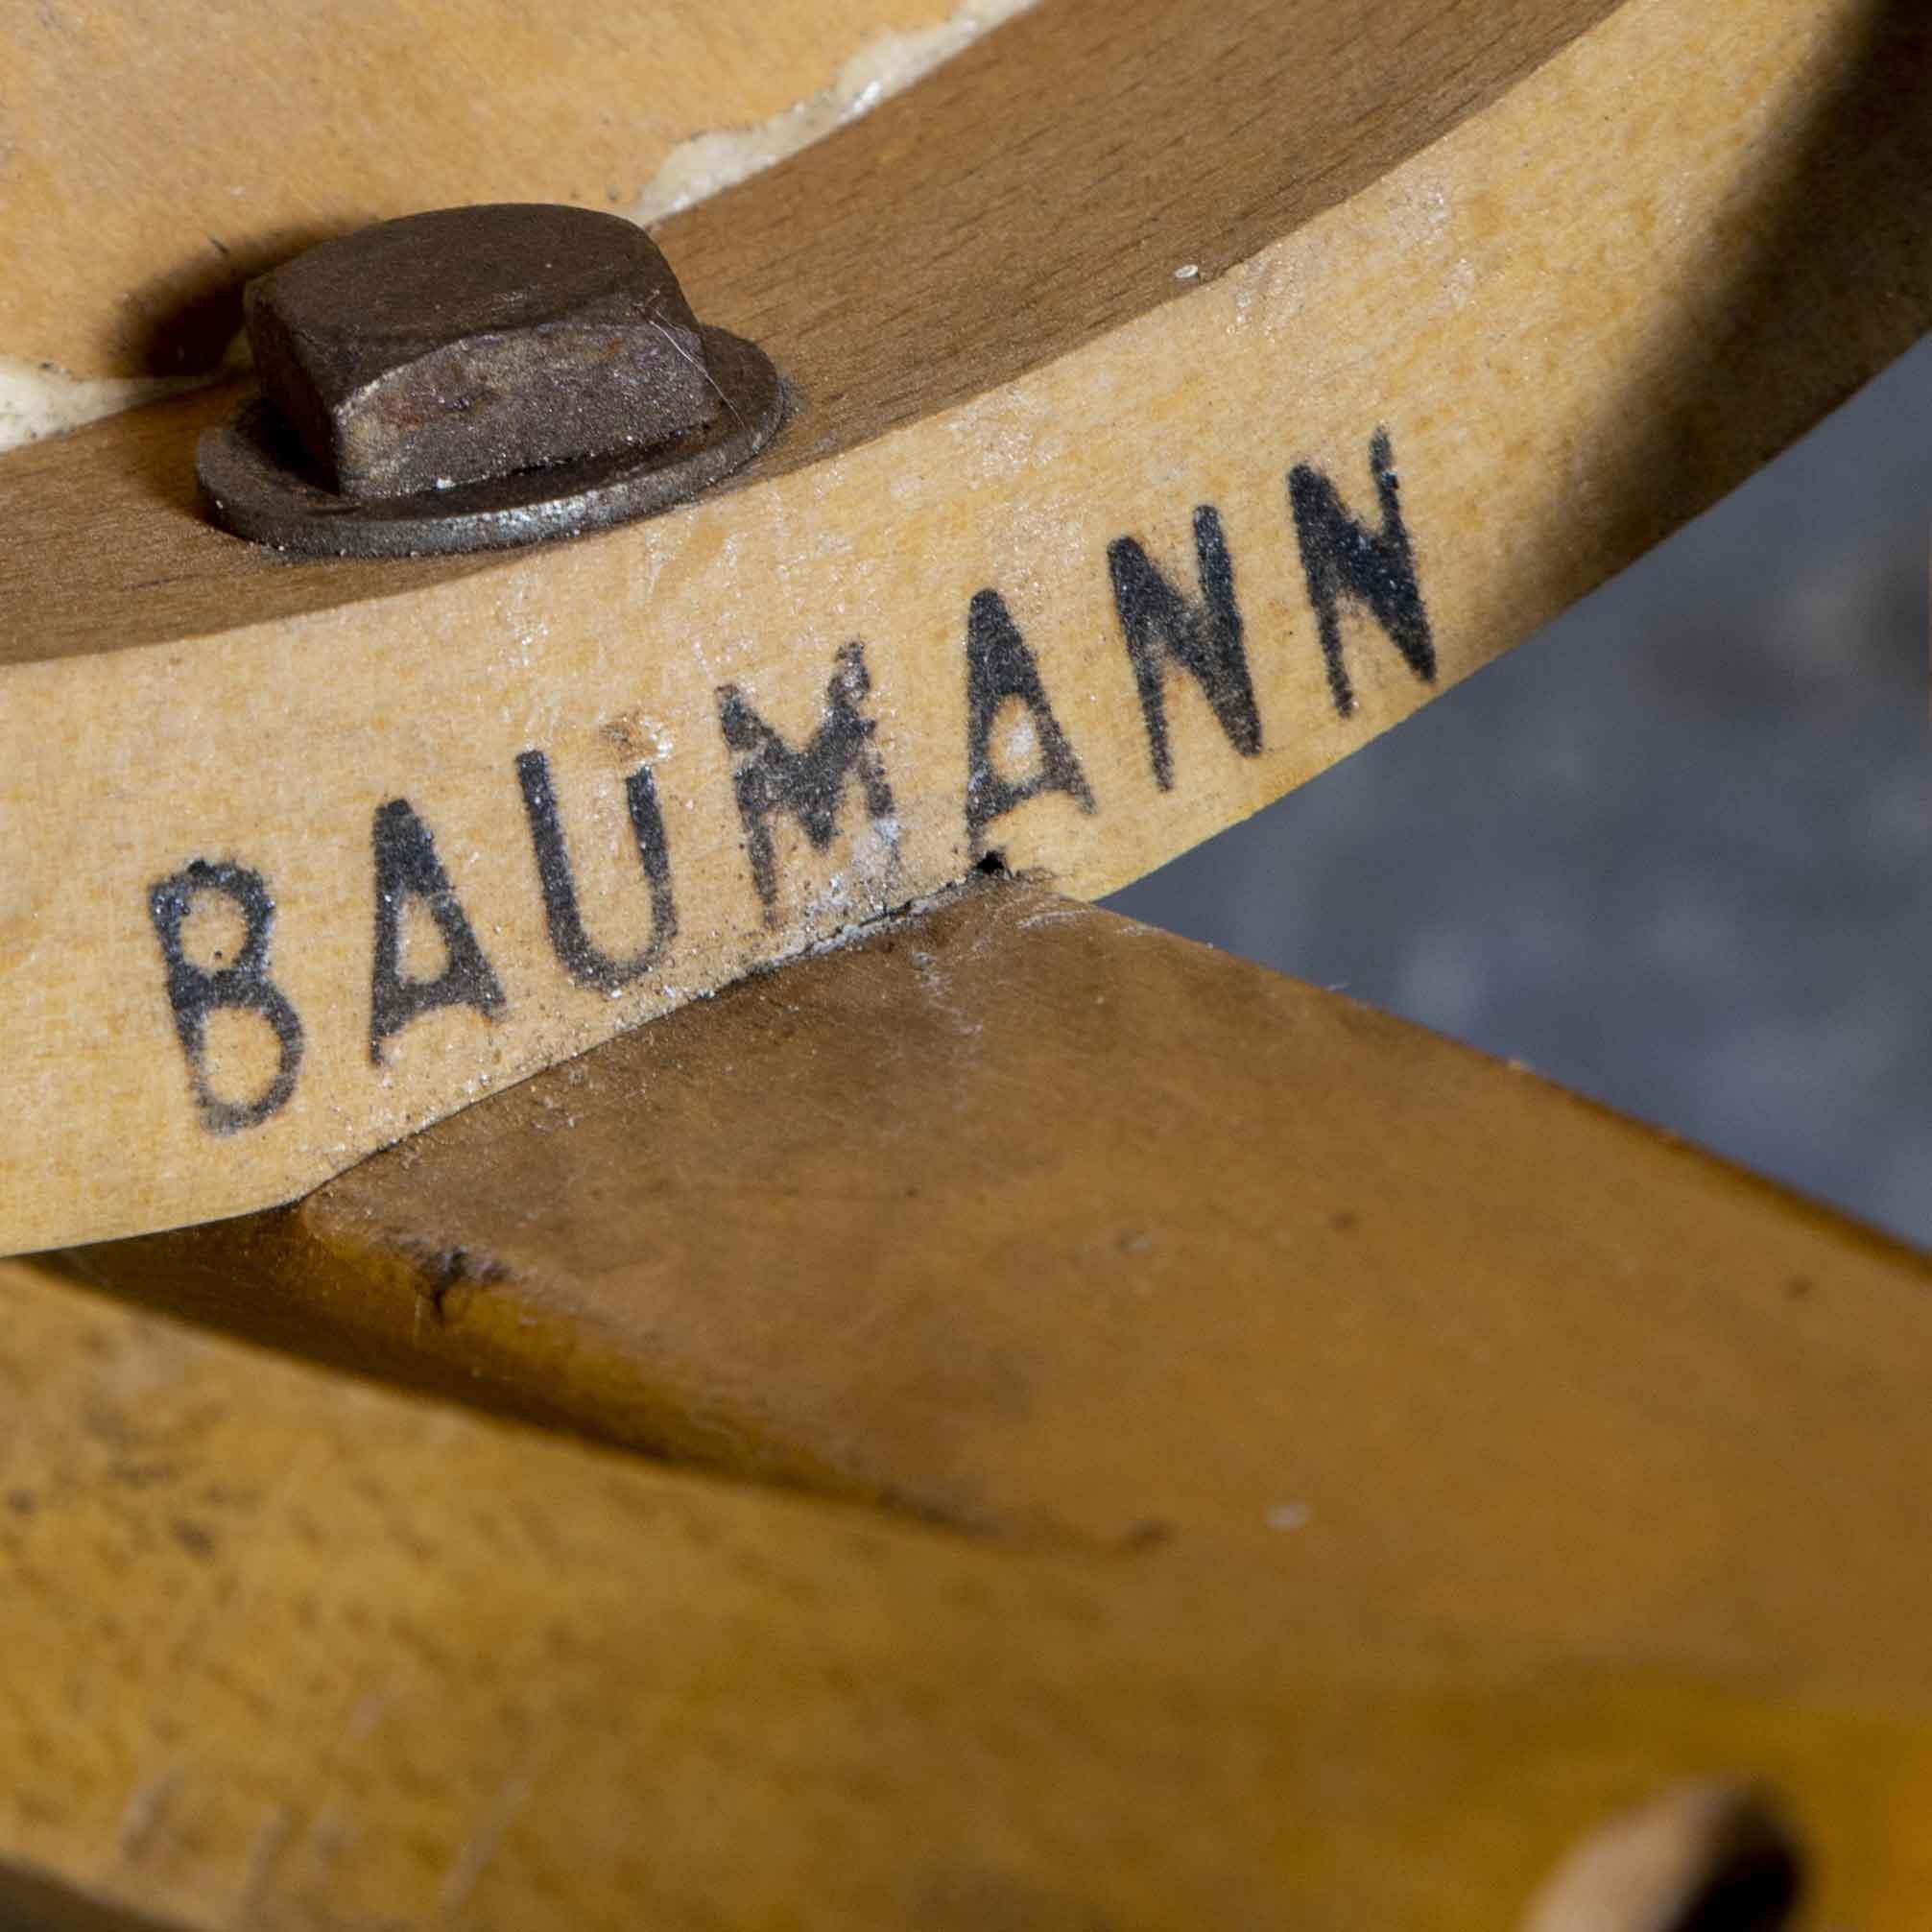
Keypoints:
pixel 289 1652
pixel 1029 1219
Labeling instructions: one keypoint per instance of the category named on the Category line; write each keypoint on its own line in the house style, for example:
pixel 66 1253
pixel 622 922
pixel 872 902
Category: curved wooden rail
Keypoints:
pixel 1171 421
pixel 1177 1449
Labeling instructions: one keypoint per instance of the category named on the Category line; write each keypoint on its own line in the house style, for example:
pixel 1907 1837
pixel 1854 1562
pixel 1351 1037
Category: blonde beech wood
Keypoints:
pixel 1507 304
pixel 1032 1221
pixel 286 1650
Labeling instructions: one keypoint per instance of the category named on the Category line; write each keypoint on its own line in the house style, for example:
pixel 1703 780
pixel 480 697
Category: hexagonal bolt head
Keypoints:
pixel 466 344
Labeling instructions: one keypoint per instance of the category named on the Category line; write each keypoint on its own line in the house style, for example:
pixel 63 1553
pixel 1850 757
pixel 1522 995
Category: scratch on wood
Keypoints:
pixel 264 1853
pixel 475 1852
pixel 142 1813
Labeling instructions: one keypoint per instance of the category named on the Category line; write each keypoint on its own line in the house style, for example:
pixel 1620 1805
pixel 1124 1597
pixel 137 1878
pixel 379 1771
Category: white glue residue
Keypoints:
pixel 40 399
pixel 708 164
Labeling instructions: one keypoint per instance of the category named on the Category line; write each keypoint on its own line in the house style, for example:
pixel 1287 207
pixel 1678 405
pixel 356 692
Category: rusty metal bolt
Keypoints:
pixel 475 378
pixel 446 348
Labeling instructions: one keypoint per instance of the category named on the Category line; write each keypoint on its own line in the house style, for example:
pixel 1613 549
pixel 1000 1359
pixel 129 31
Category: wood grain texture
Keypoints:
pixel 283 1650
pixel 154 160
pixel 1568 343
pixel 1028 1220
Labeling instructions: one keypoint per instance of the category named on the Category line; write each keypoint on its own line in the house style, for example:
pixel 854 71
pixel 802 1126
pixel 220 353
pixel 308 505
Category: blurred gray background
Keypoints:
pixel 1678 848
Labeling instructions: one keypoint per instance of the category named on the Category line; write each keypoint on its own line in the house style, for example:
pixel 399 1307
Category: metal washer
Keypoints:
pixel 248 472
